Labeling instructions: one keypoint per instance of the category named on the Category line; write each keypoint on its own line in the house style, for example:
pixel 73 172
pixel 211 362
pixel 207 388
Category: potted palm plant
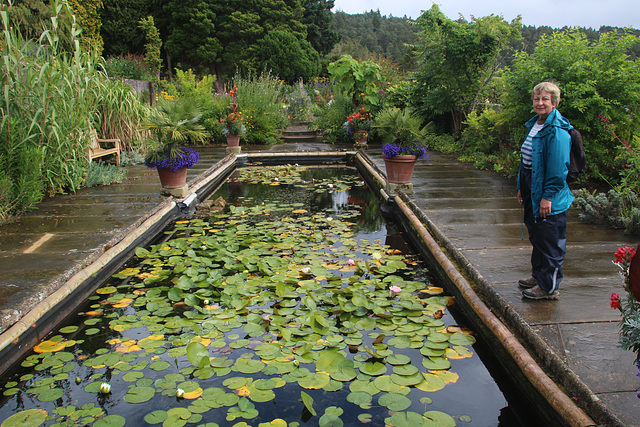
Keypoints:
pixel 403 139
pixel 172 125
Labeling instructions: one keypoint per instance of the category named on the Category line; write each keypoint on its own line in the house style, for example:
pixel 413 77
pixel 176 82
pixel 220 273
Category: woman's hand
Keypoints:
pixel 545 208
pixel 519 196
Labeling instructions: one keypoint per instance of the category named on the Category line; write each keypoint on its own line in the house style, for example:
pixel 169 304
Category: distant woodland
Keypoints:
pixel 372 33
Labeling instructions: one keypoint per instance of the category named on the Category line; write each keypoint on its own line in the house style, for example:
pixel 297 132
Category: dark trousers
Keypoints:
pixel 548 236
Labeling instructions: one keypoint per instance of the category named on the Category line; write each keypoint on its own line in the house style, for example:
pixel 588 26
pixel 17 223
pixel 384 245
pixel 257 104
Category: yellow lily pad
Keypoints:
pixel 50 346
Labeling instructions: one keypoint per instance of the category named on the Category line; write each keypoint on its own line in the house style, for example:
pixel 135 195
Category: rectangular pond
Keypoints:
pixel 288 300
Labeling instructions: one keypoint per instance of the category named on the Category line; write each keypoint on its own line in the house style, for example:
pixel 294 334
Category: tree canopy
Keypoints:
pixel 457 60
pixel 599 80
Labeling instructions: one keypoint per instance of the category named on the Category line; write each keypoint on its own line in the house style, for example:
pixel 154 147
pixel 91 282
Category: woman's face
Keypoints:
pixel 543 104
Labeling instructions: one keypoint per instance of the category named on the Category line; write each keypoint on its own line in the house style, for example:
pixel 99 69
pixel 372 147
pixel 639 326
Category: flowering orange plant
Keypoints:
pixel 233 123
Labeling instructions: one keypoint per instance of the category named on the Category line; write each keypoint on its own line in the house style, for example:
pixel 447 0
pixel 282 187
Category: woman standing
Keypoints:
pixel 544 193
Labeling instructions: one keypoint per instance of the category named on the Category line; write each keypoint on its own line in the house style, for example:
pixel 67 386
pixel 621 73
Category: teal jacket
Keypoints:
pixel 550 164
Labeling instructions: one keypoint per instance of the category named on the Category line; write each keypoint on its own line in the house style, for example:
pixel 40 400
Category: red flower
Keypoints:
pixel 615 301
pixel 624 254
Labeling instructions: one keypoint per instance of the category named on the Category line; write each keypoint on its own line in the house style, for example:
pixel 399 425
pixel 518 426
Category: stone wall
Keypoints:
pixel 140 86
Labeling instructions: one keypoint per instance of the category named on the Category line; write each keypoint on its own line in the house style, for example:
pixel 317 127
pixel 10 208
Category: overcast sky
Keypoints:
pixel 554 13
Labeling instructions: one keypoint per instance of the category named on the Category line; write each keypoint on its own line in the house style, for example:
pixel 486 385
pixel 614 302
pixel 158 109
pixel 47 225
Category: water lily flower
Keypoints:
pixel 305 270
pixel 105 388
pixel 330 185
pixel 351 262
pixel 329 219
pixel 179 393
pixel 205 302
pixel 393 290
pixel 376 255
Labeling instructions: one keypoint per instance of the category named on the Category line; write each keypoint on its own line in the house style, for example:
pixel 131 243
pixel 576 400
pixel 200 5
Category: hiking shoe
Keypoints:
pixel 528 283
pixel 537 293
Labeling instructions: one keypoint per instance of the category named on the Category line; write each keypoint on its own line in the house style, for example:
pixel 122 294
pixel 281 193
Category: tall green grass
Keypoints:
pixel 53 93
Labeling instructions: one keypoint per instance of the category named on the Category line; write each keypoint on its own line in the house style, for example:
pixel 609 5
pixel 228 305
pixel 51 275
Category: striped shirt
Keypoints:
pixel 527 146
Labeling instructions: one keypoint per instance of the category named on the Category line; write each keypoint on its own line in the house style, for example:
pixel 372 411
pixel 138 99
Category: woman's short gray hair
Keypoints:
pixel 550 88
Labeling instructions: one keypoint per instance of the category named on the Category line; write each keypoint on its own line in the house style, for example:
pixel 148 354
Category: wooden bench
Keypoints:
pixel 95 149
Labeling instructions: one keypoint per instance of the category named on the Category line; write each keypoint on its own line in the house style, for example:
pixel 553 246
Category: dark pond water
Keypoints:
pixel 290 302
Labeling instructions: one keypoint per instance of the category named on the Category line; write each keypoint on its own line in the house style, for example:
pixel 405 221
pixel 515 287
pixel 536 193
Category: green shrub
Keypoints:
pixel 134 157
pixel 99 173
pixel 629 161
pixel 486 132
pixel 259 98
pixel 21 181
pixel 129 66
pixel 332 118
pixel 616 209
pixel 505 163
pixel 444 143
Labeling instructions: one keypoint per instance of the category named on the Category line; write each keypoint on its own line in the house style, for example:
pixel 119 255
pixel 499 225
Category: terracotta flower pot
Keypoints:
pixel 172 179
pixel 400 168
pixel 361 137
pixel 233 140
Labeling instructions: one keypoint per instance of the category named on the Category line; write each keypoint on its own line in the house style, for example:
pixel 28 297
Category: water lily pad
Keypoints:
pixel 112 420
pixel 314 381
pixel 462 339
pixel 49 346
pixel 28 417
pixel 394 401
pixel 245 409
pixel 249 366
pixel 405 370
pixel 431 383
pixel 440 418
pixel 398 359
pixel 384 383
pixel 439 337
pixel 458 352
pixel 432 352
pixel 106 290
pixel 308 402
pixel 359 398
pixel 159 365
pixel 139 394
pixel 436 363
pixel 373 368
pixel 405 419
pixel 50 395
